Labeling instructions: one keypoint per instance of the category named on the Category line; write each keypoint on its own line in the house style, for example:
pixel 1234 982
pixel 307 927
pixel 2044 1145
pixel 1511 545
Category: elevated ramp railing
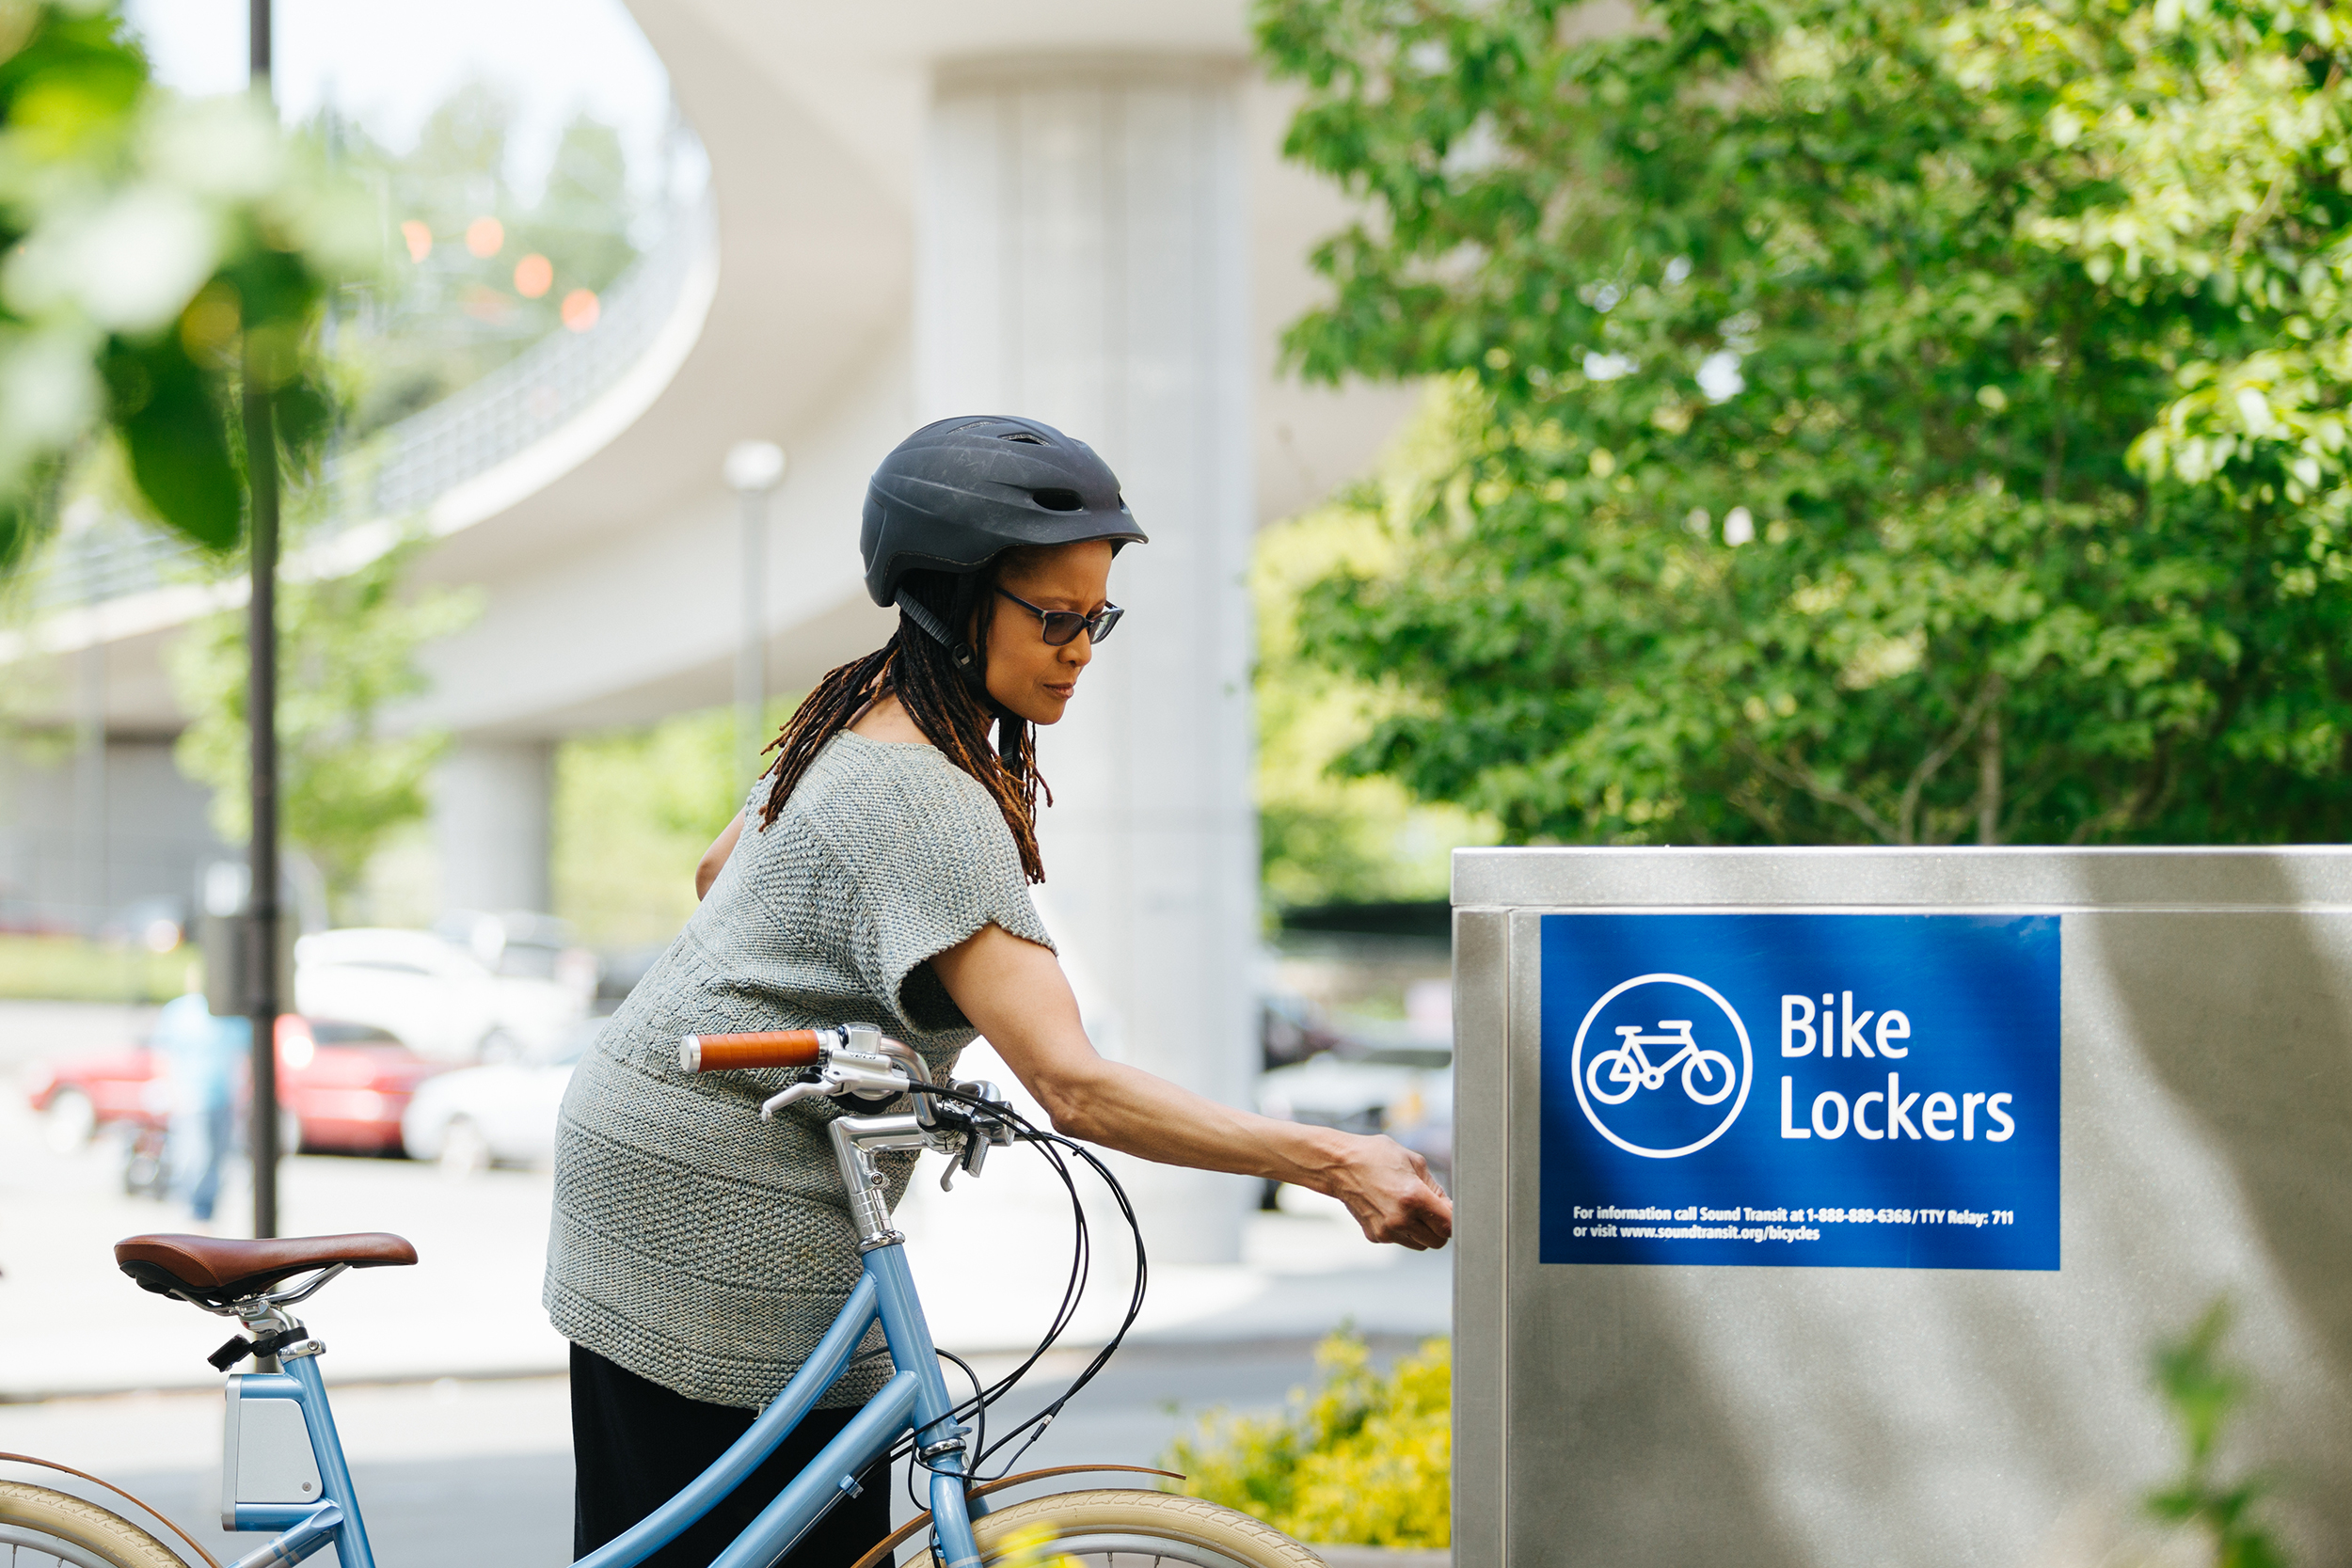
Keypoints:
pixel 402 469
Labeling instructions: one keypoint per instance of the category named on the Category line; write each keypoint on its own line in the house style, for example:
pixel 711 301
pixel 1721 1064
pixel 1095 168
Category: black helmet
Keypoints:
pixel 955 494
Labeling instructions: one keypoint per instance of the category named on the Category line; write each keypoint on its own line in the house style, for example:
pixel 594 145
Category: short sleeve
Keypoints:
pixel 937 867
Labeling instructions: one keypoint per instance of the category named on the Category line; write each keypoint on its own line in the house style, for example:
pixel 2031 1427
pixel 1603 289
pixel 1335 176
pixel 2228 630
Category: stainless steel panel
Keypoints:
pixel 1481 997
pixel 1844 1417
pixel 2296 877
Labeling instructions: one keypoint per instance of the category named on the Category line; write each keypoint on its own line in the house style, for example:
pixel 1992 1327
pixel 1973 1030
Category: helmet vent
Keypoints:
pixel 1058 500
pixel 1024 437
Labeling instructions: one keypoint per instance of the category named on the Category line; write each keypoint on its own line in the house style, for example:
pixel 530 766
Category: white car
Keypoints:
pixel 447 1001
pixel 499 1114
pixel 1403 1088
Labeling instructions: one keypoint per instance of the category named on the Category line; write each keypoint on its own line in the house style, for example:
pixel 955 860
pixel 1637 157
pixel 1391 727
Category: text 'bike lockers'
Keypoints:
pixel 1872 1091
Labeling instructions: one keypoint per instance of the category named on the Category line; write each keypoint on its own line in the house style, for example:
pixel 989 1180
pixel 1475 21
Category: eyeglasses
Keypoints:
pixel 1062 627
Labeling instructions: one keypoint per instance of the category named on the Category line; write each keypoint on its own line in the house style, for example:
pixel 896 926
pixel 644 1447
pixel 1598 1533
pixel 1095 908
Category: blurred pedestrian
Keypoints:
pixel 203 1056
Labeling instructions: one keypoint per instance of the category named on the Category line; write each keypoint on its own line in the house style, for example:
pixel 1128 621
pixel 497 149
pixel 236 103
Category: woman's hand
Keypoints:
pixel 1015 994
pixel 1387 1188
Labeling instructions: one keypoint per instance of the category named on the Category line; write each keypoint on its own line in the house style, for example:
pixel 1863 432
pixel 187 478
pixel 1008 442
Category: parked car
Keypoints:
pixel 343 1088
pixel 1401 1085
pixel 476 987
pixel 503 1113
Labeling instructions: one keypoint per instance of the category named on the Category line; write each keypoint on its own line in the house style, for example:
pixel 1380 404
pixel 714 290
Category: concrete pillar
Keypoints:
pixel 1081 260
pixel 491 805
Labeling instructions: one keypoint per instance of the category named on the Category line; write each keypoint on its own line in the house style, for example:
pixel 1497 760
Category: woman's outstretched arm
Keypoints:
pixel 1015 994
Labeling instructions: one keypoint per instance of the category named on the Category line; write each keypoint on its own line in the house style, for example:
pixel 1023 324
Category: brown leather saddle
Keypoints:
pixel 214 1270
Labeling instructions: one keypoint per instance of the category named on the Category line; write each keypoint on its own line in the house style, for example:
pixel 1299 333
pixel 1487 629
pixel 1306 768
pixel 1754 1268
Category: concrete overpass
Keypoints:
pixel 1065 209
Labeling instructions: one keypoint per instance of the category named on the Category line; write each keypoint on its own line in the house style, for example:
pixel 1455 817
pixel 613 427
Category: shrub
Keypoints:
pixel 1366 1460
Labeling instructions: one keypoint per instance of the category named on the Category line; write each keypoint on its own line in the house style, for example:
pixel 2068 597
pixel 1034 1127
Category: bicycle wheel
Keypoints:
pixel 1621 1071
pixel 40 1528
pixel 1136 1529
pixel 1708 1065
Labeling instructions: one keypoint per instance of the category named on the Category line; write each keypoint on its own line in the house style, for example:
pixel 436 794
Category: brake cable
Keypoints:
pixel 1049 1145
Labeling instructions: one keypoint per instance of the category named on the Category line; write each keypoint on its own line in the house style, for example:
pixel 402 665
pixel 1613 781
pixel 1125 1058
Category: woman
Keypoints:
pixel 878 873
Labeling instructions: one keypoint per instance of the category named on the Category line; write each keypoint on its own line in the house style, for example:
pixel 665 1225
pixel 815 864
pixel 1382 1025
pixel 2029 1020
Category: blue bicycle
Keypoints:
pixel 283 1466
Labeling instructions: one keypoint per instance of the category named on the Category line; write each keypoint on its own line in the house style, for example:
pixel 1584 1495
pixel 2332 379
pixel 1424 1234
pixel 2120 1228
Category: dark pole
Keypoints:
pixel 261 456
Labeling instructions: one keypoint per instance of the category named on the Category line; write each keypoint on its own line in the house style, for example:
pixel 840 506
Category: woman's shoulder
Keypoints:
pixel 888 793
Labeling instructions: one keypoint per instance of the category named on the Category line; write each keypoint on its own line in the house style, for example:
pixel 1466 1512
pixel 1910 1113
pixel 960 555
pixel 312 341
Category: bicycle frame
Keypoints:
pixel 915 1399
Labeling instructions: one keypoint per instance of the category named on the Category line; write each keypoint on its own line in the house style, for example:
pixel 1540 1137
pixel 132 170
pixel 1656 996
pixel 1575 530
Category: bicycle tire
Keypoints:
pixel 1115 1528
pixel 1699 1059
pixel 1613 1059
pixel 69 1530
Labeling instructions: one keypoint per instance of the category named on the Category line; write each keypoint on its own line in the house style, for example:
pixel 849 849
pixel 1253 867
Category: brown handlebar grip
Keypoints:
pixel 773 1048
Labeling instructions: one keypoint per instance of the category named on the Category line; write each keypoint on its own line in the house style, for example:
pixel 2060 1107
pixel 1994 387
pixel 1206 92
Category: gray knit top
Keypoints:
pixel 694 1243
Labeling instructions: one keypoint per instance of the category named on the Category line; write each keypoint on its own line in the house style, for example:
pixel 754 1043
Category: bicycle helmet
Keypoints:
pixel 958 493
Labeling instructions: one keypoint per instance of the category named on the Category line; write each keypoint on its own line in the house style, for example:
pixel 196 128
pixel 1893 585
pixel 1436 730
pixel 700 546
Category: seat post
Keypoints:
pixel 262 1317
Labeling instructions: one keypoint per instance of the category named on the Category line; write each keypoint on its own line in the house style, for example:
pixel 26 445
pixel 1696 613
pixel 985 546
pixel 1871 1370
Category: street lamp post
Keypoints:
pixel 262 980
pixel 753 469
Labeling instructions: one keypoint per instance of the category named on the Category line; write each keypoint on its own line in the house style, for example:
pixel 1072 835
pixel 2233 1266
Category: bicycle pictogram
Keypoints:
pixel 1715 1078
pixel 1707 1075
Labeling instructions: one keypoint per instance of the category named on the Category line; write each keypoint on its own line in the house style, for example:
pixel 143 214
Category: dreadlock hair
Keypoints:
pixel 914 668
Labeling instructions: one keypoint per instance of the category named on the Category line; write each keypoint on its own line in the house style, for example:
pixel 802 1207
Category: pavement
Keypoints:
pixel 449 1398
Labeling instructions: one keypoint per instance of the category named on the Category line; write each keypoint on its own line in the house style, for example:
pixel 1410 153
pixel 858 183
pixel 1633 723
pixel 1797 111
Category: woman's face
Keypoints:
pixel 1025 674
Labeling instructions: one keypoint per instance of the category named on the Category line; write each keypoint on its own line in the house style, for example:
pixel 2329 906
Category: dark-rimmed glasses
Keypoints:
pixel 1062 627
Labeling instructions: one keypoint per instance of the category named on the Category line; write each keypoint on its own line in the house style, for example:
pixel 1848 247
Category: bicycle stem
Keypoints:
pixel 854 1139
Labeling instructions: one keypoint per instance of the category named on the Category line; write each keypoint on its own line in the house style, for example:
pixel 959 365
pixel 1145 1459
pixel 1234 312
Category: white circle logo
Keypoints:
pixel 1661 1076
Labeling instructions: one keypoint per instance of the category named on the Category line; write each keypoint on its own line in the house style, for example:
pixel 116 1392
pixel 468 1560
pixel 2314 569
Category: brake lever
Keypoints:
pixel 793 1095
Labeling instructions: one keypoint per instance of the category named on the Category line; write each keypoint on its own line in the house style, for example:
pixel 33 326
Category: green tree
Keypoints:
pixel 155 248
pixel 1325 839
pixel 349 647
pixel 580 221
pixel 634 811
pixel 1871 421
pixel 453 305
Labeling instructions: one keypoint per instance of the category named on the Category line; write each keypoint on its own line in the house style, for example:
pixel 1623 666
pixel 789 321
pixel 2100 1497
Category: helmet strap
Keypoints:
pixel 957 649
pixel 1011 726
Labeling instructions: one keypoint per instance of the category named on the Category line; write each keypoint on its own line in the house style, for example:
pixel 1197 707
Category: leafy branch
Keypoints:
pixel 2203 1392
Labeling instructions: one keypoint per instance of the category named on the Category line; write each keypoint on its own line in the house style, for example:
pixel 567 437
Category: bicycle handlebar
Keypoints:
pixel 770 1049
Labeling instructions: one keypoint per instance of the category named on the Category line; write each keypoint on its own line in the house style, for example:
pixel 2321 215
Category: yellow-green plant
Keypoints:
pixel 1365 1460
pixel 1032 1547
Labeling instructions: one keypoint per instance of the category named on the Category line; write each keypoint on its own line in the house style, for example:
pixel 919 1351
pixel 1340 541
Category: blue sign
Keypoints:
pixel 1805 1090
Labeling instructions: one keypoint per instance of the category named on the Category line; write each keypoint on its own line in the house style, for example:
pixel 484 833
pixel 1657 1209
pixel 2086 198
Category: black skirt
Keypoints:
pixel 636 1444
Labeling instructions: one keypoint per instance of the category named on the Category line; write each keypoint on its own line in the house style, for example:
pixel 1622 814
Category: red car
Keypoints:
pixel 343 1087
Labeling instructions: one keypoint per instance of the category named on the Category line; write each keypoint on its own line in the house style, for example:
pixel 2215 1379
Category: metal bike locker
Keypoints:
pixel 1941 1354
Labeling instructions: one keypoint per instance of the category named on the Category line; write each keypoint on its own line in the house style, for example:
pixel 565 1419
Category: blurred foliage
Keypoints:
pixel 1032 1546
pixel 634 811
pixel 2202 1392
pixel 1367 1460
pixel 76 969
pixel 1869 420
pixel 347 648
pixel 156 251
pixel 1324 838
pixel 460 243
